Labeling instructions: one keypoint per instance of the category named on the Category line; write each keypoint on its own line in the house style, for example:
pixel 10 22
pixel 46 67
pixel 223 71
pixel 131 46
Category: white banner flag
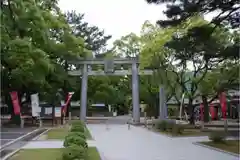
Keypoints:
pixel 35 105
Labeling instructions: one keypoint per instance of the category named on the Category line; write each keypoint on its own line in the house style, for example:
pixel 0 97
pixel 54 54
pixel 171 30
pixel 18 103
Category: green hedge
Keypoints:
pixel 77 128
pixel 74 152
pixel 75 143
pixel 168 126
pixel 72 140
pixel 77 134
pixel 217 136
pixel 78 123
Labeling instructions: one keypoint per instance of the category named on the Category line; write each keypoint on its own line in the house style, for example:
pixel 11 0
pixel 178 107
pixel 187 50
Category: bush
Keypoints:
pixel 189 126
pixel 74 152
pixel 75 140
pixel 77 128
pixel 177 129
pixel 217 136
pixel 162 125
pixel 170 126
pixel 79 134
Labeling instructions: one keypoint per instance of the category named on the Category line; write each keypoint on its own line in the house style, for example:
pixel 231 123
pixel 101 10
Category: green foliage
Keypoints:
pixel 75 139
pixel 93 36
pixel 161 125
pixel 37 43
pixel 217 136
pixel 177 129
pixel 169 126
pixel 77 128
pixel 77 134
pixel 128 46
pixel 179 12
pixel 78 123
pixel 171 111
pixel 74 152
pixel 186 59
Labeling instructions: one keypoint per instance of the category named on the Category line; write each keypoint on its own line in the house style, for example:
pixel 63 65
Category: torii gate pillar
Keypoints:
pixel 83 106
pixel 135 93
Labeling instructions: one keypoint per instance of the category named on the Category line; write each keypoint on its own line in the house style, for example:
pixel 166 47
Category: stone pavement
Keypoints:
pixel 116 142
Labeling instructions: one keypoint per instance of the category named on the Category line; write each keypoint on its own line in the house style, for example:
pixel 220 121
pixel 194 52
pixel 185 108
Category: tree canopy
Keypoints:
pixel 188 54
pixel 227 12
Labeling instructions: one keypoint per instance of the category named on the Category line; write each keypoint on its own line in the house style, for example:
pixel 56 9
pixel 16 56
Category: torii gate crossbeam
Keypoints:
pixel 135 72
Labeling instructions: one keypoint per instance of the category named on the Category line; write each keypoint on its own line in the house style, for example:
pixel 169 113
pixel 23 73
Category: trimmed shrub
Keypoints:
pixel 170 126
pixel 189 126
pixel 217 136
pixel 75 140
pixel 177 129
pixel 77 128
pixel 79 134
pixel 161 125
pixel 74 152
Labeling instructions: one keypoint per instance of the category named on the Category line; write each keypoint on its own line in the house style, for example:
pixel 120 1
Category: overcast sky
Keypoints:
pixel 116 17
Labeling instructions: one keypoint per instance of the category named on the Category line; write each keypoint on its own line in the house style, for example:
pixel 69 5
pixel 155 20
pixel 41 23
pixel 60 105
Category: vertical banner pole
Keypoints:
pixel 65 106
pixel 223 102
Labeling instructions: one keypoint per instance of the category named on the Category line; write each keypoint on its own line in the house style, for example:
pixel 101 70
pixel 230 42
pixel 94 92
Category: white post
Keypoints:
pixel 145 119
pixel 107 128
pixel 40 122
pixel 69 117
pixel 22 122
pixel 64 120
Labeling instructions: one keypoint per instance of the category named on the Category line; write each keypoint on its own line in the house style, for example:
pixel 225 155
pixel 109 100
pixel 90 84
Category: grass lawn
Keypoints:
pixel 228 145
pixel 187 133
pixel 57 133
pixel 60 133
pixel 49 154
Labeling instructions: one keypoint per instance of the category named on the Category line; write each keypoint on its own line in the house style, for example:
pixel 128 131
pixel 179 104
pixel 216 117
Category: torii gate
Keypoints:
pixel 109 70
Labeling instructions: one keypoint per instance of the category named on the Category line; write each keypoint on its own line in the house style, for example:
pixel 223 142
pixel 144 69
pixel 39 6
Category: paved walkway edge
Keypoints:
pixel 36 138
pixel 19 138
pixel 11 154
pixel 216 149
pixel 102 157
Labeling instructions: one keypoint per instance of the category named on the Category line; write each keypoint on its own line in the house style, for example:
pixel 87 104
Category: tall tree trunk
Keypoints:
pixel 205 108
pixel 191 111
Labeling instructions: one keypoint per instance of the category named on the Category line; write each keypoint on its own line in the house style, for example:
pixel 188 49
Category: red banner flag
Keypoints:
pixel 68 99
pixel 15 102
pixel 223 102
pixel 212 111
